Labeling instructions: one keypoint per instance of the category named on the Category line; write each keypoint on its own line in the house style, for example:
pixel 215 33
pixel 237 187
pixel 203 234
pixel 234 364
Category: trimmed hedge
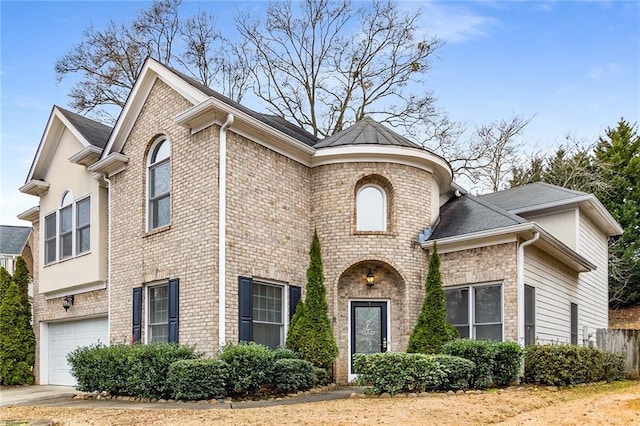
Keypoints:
pixel 135 370
pixel 482 353
pixel 198 379
pixel 395 372
pixel 292 375
pixel 284 353
pixel 507 363
pixel 459 372
pixel 250 366
pixel 321 376
pixel 562 365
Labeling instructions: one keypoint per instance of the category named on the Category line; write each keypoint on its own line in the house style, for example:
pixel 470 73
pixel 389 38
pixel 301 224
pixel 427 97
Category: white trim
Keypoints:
pixel 146 305
pixel 35 187
pixel 83 288
pixel 385 207
pixel 86 156
pixel 111 165
pixel 44 353
pixel 351 376
pixel 31 215
pixel 471 299
pixel 151 71
pixel 158 141
pixel 222 231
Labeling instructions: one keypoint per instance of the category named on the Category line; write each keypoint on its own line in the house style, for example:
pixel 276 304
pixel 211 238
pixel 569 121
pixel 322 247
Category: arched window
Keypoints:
pixel 159 195
pixel 371 206
pixel 66 225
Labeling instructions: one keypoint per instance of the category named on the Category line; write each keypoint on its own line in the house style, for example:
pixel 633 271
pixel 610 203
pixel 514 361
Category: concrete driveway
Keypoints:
pixel 26 394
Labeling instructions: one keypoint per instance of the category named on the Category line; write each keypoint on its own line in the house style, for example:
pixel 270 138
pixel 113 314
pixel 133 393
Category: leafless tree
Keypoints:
pixel 326 64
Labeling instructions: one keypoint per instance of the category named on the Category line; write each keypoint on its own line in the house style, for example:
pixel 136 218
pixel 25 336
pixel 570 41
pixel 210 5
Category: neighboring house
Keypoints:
pixel 201 217
pixel 15 241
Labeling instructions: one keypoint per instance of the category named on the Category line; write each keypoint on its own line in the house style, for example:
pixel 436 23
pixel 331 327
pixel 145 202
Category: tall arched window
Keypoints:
pixel 371 214
pixel 66 225
pixel 159 194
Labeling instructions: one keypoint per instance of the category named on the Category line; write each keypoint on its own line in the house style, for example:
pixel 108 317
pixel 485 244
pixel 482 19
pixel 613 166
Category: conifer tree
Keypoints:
pixel 5 279
pixel 311 335
pixel 16 334
pixel 21 278
pixel 430 333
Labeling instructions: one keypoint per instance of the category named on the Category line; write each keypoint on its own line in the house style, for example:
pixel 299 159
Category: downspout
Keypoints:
pixel 520 292
pixel 108 258
pixel 222 229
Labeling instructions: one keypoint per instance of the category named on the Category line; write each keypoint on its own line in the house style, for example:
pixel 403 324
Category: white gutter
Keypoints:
pixel 222 229
pixel 108 258
pixel 520 292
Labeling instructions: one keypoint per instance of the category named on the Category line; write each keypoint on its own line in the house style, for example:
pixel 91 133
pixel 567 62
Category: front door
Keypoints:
pixel 368 328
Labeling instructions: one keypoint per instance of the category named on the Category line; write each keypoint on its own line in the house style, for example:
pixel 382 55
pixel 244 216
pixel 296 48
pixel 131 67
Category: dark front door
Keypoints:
pixel 368 328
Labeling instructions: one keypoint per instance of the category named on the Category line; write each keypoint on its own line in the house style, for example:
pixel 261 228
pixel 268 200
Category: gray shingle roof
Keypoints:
pixel 13 239
pixel 530 195
pixel 468 214
pixel 276 122
pixel 366 132
pixel 95 133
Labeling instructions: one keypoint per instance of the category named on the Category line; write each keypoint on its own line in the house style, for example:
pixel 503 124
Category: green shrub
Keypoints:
pixel 101 368
pixel 508 363
pixel 458 372
pixel 481 352
pixel 292 375
pixel 149 365
pixel 321 376
pixel 198 379
pixel 284 353
pixel 250 366
pixel 395 372
pixel 562 365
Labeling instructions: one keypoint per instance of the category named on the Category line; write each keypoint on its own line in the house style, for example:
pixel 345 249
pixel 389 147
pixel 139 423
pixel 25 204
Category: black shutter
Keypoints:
pixel 245 308
pixel 295 293
pixel 137 314
pixel 174 303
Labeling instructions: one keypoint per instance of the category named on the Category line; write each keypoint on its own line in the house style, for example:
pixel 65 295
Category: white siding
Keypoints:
pixel 562 225
pixel 594 294
pixel 556 288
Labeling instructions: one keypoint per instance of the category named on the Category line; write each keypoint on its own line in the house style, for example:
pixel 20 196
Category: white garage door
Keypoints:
pixel 64 337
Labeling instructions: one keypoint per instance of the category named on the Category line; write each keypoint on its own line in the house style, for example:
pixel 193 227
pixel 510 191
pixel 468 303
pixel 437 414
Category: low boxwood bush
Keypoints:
pixel 148 367
pixel 321 376
pixel 395 372
pixel 508 363
pixel 198 379
pixel 284 353
pixel 250 366
pixel 292 375
pixel 135 370
pixel 458 372
pixel 482 353
pixel 562 365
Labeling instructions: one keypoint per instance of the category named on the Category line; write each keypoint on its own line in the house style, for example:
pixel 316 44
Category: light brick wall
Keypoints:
pixel 490 264
pixel 187 248
pixel 400 267
pixel 268 225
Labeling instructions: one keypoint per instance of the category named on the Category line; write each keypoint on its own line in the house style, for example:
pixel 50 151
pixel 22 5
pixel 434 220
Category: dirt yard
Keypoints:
pixel 615 404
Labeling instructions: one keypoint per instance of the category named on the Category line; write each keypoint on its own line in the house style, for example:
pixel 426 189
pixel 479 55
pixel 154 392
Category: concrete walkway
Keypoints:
pixel 62 396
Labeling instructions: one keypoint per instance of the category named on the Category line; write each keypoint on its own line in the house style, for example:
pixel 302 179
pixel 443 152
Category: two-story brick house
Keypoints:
pixel 202 212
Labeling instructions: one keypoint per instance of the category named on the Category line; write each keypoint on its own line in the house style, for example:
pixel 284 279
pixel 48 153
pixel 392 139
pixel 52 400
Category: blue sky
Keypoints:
pixel 574 64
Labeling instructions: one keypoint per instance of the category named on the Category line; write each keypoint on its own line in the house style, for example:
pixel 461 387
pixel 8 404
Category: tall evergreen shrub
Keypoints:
pixel 21 278
pixel 5 279
pixel 431 332
pixel 16 336
pixel 312 336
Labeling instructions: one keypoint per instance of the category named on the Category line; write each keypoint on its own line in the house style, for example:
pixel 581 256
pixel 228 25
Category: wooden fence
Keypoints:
pixel 622 341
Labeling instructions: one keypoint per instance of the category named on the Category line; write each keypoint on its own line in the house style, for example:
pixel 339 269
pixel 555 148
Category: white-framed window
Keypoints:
pixel 83 225
pixel 476 311
pixel 158 313
pixel 67 231
pixel 371 208
pixel 65 236
pixel 268 317
pixel 50 238
pixel 158 184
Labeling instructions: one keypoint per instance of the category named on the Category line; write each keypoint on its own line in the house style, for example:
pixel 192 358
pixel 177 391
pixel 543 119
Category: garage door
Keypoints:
pixel 64 337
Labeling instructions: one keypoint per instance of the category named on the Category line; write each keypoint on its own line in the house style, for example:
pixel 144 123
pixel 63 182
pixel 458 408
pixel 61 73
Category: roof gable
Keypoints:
pixel 13 239
pixel 88 132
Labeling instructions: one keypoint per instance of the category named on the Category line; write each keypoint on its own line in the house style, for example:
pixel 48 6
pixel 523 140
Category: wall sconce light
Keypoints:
pixel 67 302
pixel 370 278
